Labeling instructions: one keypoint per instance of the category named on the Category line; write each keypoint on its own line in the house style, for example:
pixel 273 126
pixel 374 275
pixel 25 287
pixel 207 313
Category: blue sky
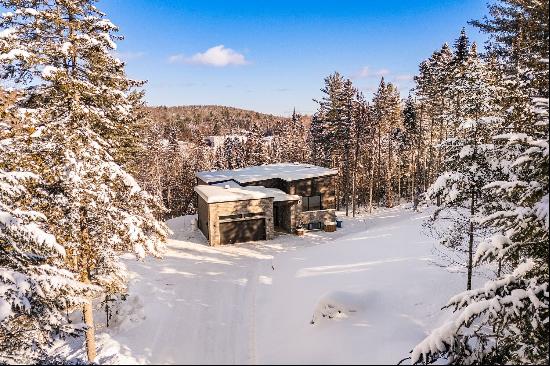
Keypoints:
pixel 271 56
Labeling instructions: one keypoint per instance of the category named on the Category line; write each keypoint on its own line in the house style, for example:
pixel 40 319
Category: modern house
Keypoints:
pixel 252 203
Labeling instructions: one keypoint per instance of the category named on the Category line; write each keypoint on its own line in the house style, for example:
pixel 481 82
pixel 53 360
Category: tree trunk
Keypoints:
pixel 87 311
pixel 379 162
pixel 353 192
pixel 389 193
pixel 84 259
pixel 421 151
pixel 429 165
pixel 413 176
pixel 371 184
pixel 398 182
pixel 346 186
pixel 471 243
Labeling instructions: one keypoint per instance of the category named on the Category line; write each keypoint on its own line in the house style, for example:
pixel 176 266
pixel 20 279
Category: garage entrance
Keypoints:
pixel 242 231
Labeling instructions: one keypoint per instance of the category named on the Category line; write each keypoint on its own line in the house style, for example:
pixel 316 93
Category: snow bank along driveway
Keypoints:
pixel 365 294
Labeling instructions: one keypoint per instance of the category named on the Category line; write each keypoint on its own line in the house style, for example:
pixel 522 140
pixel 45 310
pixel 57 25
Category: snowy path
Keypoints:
pixel 228 305
pixel 198 304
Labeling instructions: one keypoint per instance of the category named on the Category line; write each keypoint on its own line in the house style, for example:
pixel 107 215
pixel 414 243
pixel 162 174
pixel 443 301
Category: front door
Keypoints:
pixel 276 218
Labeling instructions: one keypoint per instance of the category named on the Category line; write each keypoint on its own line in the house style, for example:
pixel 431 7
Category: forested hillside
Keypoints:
pixel 213 120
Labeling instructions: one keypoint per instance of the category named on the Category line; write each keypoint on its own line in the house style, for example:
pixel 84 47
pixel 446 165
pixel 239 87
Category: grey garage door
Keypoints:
pixel 241 231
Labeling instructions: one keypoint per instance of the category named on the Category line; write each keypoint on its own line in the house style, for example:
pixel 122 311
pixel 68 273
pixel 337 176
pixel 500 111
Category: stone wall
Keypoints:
pixel 202 215
pixel 318 216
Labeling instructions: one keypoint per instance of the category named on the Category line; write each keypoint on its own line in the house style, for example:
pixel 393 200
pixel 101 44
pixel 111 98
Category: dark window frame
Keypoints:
pixel 307 206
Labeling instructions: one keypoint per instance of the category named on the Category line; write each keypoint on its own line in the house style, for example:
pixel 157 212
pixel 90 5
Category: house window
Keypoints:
pixel 230 217
pixel 254 214
pixel 311 203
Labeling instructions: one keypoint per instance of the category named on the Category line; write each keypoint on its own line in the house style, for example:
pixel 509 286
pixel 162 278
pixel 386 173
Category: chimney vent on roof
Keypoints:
pixel 226 186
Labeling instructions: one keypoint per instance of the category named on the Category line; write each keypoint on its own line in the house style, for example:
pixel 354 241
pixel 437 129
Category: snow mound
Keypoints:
pixel 127 313
pixel 336 305
pixel 112 352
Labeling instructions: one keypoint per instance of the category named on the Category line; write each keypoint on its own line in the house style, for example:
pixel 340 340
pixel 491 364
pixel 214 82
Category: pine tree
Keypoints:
pixel 296 146
pixel 255 148
pixel 387 112
pixel 332 129
pixel 36 292
pixel 360 132
pixel 431 89
pixel 412 139
pixel 467 169
pixel 80 102
pixel 329 119
pixel 462 48
pixel 507 320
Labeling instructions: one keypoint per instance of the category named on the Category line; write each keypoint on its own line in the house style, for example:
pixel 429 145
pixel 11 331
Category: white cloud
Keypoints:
pixel 218 56
pixel 404 77
pixel 382 72
pixel 366 72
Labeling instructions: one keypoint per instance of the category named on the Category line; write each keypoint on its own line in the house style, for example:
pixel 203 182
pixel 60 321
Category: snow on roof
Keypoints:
pixel 229 192
pixel 213 194
pixel 277 194
pixel 285 171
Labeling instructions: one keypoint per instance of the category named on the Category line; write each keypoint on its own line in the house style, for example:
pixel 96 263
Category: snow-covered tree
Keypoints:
pixel 507 320
pixel 35 291
pixel 431 90
pixel 289 141
pixel 412 143
pixel 467 169
pixel 81 107
pixel 332 130
pixel 386 105
pixel 255 148
pixel 330 120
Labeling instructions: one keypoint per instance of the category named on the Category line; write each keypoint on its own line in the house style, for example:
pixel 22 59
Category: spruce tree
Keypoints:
pixel 76 96
pixel 466 167
pixel 332 129
pixel 507 320
pixel 255 148
pixel 387 112
pixel 412 139
pixel 462 48
pixel 36 292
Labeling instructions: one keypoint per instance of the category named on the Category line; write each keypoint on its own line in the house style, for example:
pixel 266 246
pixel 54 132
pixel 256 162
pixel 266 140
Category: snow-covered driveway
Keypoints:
pixel 254 303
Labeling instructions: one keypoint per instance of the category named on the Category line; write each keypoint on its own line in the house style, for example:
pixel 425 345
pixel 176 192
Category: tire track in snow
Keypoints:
pixel 254 278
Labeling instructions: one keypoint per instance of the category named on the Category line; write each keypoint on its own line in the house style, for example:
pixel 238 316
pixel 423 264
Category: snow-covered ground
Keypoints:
pixel 364 294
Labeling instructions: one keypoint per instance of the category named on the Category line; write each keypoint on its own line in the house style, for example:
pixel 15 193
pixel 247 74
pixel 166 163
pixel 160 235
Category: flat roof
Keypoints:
pixel 285 171
pixel 229 193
